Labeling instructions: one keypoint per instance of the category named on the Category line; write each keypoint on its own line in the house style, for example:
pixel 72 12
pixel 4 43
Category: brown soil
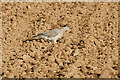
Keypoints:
pixel 88 50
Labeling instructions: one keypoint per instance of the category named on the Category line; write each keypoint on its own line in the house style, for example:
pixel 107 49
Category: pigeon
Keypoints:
pixel 53 35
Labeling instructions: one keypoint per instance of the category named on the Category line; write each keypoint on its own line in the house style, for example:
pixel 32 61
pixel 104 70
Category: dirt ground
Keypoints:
pixel 88 50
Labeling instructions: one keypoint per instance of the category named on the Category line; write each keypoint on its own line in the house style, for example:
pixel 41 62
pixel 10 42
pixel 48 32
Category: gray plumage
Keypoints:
pixel 53 34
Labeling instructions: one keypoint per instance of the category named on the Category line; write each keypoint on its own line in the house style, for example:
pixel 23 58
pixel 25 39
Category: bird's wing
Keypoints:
pixel 50 33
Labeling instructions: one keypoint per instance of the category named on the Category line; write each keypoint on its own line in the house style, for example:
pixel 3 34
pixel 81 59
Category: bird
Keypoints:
pixel 53 35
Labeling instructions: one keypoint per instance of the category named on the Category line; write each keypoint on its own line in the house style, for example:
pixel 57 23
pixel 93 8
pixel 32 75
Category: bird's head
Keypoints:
pixel 66 28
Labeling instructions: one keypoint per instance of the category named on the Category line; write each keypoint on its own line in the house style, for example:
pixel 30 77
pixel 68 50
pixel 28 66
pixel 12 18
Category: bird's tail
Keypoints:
pixel 34 36
pixel 39 35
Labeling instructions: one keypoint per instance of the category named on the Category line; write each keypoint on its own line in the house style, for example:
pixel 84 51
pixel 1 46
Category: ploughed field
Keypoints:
pixel 88 50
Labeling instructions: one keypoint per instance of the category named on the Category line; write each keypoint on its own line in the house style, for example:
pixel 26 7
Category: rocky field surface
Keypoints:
pixel 88 50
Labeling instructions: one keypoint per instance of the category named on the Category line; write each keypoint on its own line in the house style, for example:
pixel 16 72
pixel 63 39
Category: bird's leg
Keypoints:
pixel 49 42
